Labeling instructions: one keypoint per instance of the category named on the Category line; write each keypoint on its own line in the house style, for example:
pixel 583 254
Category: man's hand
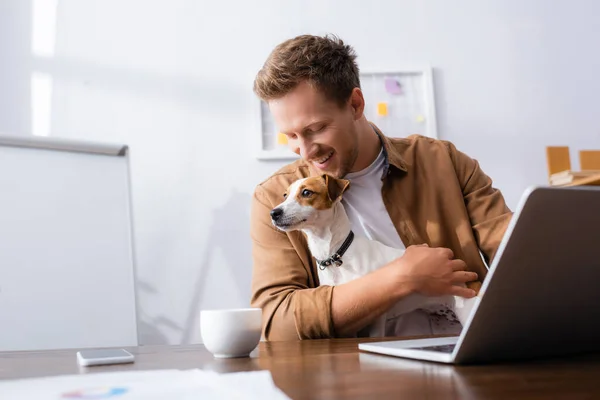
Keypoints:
pixel 433 272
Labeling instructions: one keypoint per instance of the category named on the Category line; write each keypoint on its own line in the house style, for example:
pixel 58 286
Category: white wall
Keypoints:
pixel 15 38
pixel 173 80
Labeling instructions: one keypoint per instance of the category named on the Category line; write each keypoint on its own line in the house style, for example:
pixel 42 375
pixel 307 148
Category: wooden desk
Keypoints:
pixel 335 369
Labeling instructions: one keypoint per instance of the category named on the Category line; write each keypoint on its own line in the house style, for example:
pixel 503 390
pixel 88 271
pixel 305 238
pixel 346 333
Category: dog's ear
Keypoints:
pixel 335 187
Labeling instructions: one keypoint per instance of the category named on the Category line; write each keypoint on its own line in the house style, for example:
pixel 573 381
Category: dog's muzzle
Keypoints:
pixel 276 214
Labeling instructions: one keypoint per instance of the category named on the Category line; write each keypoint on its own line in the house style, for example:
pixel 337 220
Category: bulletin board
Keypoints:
pixel 400 103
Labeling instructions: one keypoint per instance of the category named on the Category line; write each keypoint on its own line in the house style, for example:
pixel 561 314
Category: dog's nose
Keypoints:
pixel 276 213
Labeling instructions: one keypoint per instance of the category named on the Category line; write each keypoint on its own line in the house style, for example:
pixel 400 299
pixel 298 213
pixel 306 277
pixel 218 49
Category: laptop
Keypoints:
pixel 541 297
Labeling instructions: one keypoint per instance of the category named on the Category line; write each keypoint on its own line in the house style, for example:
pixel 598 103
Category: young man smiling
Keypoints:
pixel 415 193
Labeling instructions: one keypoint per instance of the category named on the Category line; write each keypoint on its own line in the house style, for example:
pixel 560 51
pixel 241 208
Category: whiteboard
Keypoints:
pixel 66 248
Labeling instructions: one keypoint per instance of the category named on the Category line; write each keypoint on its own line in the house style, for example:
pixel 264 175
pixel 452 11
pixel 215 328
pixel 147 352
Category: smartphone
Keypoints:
pixel 88 358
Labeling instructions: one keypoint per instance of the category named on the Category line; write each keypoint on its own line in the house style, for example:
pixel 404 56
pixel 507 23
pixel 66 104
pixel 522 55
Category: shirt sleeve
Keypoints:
pixel 485 204
pixel 293 308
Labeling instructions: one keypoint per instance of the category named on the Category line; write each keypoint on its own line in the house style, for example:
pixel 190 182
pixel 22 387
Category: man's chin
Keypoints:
pixel 329 171
pixel 330 167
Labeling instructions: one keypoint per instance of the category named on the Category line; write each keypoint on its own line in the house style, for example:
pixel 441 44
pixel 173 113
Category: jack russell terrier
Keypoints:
pixel 313 206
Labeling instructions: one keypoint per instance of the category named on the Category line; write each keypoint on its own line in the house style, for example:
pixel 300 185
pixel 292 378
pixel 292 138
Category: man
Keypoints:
pixel 416 192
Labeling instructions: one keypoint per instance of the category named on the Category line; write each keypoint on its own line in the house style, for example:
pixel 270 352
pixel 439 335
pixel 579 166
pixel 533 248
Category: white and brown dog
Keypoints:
pixel 313 206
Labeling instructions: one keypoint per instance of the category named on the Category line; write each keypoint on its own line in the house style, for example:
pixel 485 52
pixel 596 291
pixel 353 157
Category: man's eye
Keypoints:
pixel 306 193
pixel 318 129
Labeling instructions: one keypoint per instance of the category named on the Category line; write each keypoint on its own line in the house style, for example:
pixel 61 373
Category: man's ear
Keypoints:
pixel 335 187
pixel 357 101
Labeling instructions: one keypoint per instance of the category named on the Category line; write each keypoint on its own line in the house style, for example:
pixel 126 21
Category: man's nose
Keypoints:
pixel 276 213
pixel 307 148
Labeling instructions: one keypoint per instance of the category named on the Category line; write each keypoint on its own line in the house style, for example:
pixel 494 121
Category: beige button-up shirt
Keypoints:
pixel 433 193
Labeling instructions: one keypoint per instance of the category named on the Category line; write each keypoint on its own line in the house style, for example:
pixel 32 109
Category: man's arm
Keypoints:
pixel 485 204
pixel 357 303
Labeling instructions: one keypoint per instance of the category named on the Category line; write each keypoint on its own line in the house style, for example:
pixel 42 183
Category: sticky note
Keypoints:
pixel 420 118
pixel 382 109
pixel 282 138
pixel 393 86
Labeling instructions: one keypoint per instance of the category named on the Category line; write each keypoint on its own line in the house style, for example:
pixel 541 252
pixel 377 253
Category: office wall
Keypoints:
pixel 15 56
pixel 173 80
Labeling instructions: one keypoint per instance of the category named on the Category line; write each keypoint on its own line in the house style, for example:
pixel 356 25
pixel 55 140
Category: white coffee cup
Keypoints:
pixel 231 332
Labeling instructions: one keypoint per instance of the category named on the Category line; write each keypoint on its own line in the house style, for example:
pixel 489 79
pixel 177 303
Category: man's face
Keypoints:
pixel 318 129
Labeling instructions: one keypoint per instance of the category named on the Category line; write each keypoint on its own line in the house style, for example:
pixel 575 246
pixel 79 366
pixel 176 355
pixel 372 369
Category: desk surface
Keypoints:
pixel 336 369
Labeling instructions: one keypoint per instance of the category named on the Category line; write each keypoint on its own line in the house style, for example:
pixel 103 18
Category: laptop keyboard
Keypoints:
pixel 446 348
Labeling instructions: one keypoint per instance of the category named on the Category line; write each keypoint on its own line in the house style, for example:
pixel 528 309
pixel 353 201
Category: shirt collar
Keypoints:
pixel 393 158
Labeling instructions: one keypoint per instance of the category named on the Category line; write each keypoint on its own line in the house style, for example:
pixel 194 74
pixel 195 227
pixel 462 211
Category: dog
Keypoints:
pixel 313 206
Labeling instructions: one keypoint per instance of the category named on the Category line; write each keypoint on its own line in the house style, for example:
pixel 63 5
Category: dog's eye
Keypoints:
pixel 284 195
pixel 306 193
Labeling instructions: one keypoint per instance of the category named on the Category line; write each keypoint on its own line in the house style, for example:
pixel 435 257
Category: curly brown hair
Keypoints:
pixel 324 61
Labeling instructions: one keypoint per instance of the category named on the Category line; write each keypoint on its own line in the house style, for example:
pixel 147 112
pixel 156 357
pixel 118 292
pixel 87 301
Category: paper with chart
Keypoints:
pixel 146 385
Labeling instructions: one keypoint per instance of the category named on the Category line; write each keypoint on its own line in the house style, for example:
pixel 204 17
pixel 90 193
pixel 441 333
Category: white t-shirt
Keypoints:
pixel 364 205
pixel 368 216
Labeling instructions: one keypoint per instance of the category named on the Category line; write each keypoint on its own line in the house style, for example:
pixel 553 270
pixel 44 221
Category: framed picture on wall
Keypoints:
pixel 400 102
pixel 272 144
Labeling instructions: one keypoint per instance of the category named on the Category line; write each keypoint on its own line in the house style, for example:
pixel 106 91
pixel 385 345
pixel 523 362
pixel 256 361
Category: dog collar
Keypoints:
pixel 336 258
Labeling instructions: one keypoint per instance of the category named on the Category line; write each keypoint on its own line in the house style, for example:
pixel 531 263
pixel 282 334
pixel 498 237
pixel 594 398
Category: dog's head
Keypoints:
pixel 307 202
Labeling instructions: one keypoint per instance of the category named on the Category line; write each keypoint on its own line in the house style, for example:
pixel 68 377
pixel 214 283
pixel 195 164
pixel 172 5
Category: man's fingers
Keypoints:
pixel 458 265
pixel 464 277
pixel 463 292
pixel 449 253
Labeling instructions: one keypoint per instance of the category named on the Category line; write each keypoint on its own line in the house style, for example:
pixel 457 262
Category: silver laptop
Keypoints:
pixel 541 297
